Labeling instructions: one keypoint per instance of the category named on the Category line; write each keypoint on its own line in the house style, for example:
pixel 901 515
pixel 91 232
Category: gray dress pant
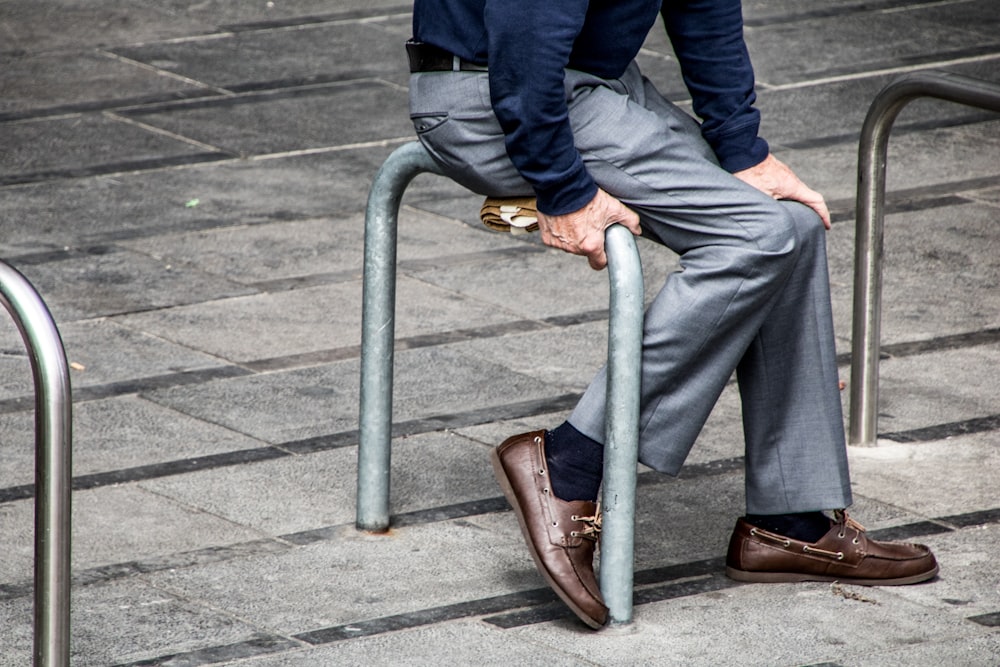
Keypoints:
pixel 752 295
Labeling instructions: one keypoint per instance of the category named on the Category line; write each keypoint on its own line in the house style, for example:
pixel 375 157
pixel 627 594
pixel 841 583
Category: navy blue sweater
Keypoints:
pixel 528 43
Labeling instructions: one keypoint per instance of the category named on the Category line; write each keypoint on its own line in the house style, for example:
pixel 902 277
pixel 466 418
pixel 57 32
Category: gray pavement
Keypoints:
pixel 185 185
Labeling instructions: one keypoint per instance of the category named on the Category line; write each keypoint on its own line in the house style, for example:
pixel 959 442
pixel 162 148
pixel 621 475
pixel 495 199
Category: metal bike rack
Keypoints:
pixel 53 466
pixel 868 248
pixel 624 350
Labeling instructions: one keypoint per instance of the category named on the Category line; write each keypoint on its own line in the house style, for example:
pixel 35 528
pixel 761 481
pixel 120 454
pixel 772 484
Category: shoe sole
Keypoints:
pixel 794 577
pixel 508 492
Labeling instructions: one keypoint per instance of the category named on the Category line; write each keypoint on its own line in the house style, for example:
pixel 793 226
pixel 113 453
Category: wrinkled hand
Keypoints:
pixel 775 179
pixel 582 232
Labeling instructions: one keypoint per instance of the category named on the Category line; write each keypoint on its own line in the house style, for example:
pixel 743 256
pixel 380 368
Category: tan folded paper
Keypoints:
pixel 517 215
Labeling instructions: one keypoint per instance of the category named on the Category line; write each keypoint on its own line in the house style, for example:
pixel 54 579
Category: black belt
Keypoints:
pixel 430 58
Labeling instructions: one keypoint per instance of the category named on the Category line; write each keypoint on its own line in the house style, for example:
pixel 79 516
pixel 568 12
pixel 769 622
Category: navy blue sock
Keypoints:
pixel 804 526
pixel 576 463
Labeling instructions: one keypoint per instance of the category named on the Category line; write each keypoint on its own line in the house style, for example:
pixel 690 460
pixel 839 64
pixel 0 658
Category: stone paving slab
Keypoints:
pixel 317 401
pixel 115 434
pixel 799 115
pixel 310 492
pixel 981 650
pixel 928 289
pixel 111 525
pixel 803 624
pixel 146 204
pixel 64 23
pixel 56 83
pixel 108 281
pixel 915 160
pixel 863 42
pixel 144 623
pixel 757 11
pixel 921 476
pixel 459 642
pixel 332 246
pixel 268 591
pixel 969 586
pixel 67 146
pixel 264 123
pixel 526 286
pixel 256 60
pixel 938 388
pixel 308 320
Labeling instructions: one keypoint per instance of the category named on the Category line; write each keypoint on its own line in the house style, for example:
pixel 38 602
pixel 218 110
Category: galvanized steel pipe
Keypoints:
pixel 624 357
pixel 378 328
pixel 868 248
pixel 621 423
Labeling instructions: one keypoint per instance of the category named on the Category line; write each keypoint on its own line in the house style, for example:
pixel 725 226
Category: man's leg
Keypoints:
pixel 745 259
pixel 788 382
pixel 753 295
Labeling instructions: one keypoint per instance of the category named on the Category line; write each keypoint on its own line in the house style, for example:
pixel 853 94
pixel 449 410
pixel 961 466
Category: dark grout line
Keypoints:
pixel 133 386
pixel 930 345
pixel 986 424
pixel 317 19
pixel 305 446
pixel 969 519
pixel 430 515
pixel 652 585
pixel 910 531
pixel 103 105
pixel 154 471
pixel 991 620
pixel 410 265
pixel 667 591
pixel 894 204
pixel 928 60
pixel 259 644
pixel 430 616
pixel 113 168
pixel 833 12
pixel 942 343
pixel 291 362
pixel 914 127
pixel 252 93
pixel 229 101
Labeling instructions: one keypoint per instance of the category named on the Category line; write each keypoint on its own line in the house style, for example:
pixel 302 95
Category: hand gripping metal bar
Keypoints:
pixel 624 350
pixel 868 243
pixel 53 466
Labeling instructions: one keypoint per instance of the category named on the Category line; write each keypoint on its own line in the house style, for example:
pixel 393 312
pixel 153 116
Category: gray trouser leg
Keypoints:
pixel 752 294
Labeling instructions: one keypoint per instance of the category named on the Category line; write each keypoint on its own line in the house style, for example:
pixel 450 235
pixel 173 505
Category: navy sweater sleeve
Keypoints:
pixel 707 36
pixel 529 46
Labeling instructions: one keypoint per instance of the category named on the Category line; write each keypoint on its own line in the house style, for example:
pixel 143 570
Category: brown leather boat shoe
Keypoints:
pixel 844 554
pixel 561 535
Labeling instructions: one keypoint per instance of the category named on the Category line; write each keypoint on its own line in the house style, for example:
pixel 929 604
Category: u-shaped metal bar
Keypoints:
pixel 53 466
pixel 624 356
pixel 868 241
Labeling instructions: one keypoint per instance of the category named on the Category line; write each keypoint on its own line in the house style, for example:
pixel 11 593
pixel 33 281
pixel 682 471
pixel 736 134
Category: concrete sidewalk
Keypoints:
pixel 185 185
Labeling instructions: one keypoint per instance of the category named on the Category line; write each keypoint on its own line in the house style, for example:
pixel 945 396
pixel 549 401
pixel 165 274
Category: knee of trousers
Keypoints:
pixel 777 239
pixel 790 231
